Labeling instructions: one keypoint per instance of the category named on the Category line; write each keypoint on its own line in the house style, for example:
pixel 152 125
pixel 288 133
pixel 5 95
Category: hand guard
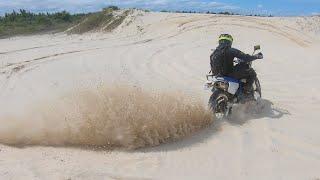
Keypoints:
pixel 259 56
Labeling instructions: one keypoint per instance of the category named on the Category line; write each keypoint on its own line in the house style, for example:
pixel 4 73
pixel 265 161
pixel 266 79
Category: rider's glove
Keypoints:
pixel 259 56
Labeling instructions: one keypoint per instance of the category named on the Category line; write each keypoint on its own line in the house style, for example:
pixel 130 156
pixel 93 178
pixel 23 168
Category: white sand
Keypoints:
pixel 171 51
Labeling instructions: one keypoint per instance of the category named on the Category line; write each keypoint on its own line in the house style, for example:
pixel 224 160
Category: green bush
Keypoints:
pixel 115 8
pixel 112 8
pixel 92 22
pixel 104 20
pixel 23 22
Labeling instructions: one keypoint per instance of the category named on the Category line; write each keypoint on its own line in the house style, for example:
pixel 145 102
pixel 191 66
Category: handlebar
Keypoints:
pixel 238 61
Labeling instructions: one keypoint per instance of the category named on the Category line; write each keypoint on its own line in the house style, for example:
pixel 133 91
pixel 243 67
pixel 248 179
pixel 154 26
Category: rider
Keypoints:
pixel 222 58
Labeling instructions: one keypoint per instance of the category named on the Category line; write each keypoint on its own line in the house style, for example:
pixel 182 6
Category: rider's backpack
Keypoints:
pixel 217 60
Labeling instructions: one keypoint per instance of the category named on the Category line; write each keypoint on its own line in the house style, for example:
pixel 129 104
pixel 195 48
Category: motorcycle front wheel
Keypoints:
pixel 257 90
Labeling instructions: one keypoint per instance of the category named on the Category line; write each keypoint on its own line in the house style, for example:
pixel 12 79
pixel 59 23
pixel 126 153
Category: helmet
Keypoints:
pixel 225 37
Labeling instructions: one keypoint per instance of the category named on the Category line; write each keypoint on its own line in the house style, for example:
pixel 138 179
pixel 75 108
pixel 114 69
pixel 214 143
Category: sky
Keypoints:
pixel 274 7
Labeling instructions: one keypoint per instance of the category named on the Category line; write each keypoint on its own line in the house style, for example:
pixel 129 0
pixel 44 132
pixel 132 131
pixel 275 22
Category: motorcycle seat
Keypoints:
pixel 229 79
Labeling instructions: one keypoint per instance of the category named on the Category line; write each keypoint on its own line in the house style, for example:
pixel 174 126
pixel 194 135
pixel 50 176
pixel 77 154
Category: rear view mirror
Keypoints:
pixel 257 47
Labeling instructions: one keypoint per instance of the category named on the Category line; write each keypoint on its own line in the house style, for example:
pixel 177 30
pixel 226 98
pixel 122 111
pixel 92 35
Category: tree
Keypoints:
pixel 114 8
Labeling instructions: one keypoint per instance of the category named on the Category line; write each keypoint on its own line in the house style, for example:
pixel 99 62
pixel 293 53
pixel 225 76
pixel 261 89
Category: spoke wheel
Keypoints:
pixel 218 103
pixel 257 94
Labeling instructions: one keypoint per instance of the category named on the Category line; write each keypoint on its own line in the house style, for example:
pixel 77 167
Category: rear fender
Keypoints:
pixel 232 84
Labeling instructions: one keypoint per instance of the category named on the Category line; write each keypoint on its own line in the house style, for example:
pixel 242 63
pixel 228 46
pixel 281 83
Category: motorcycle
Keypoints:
pixel 227 91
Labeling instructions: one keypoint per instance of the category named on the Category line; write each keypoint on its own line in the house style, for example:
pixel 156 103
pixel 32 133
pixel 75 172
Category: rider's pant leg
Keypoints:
pixel 243 71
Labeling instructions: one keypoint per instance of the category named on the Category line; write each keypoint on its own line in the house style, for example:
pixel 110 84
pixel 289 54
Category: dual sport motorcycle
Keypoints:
pixel 227 91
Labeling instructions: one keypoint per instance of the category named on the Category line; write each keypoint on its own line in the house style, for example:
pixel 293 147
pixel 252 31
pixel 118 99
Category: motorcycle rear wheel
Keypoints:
pixel 218 103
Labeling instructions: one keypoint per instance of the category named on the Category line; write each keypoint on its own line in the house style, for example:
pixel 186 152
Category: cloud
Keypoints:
pixel 94 5
pixel 315 13
pixel 260 6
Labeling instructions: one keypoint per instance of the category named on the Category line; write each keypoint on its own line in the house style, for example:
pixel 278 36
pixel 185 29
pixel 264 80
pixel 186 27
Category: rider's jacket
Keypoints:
pixel 228 58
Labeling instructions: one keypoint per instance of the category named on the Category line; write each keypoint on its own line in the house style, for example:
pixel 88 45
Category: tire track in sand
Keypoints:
pixel 17 69
pixel 261 25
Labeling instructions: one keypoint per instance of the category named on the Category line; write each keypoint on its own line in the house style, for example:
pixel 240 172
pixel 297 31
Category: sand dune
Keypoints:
pixel 51 98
